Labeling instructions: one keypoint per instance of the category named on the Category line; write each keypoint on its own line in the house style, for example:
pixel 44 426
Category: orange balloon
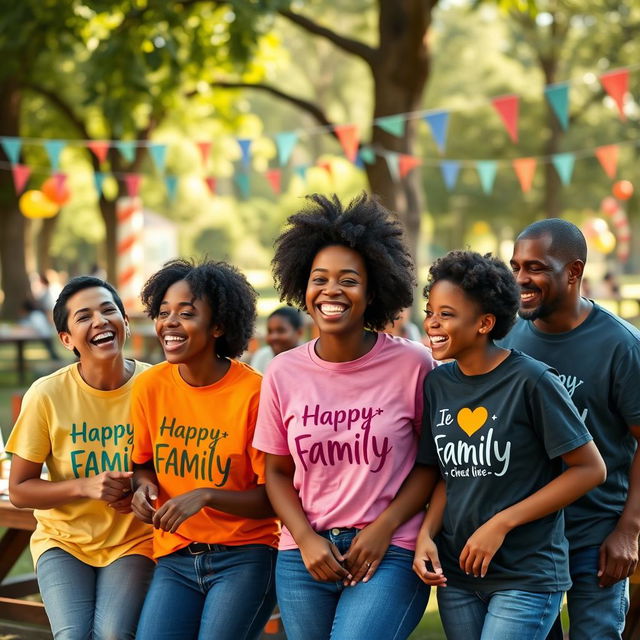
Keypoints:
pixel 56 191
pixel 623 189
pixel 34 204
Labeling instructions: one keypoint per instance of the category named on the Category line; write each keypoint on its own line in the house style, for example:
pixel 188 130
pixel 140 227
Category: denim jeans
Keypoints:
pixel 511 614
pixel 93 603
pixel 388 607
pixel 224 594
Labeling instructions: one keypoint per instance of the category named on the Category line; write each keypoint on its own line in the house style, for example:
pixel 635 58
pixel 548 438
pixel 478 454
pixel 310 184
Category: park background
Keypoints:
pixel 132 131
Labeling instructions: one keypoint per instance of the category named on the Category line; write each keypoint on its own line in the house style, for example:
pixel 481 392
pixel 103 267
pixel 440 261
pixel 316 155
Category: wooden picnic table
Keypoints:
pixel 19 336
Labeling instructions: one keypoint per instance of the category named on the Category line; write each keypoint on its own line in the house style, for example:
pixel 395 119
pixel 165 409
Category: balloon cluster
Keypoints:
pixel 46 202
pixel 600 237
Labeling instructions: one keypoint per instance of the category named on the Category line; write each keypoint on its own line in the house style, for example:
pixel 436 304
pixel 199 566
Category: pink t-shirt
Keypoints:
pixel 352 429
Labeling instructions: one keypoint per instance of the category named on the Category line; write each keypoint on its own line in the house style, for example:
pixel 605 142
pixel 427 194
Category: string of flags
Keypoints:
pixel 507 107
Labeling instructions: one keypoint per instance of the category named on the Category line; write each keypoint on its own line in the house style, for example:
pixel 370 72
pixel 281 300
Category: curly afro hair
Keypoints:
pixel 364 226
pixel 231 298
pixel 486 280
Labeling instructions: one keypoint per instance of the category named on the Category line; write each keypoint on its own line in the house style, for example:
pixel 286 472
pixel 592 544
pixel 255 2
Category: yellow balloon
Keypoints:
pixel 604 242
pixel 34 204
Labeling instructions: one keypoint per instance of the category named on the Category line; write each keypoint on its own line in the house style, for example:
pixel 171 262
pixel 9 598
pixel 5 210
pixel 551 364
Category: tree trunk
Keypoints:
pixel 14 280
pixel 108 211
pixel 43 243
pixel 552 205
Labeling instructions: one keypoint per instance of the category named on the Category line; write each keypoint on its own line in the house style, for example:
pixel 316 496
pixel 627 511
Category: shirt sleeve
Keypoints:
pixel 555 417
pixel 30 437
pixel 142 446
pixel 271 431
pixel 626 373
pixel 426 366
pixel 427 453
pixel 256 457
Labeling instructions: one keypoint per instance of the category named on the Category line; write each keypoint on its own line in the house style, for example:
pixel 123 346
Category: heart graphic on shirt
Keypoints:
pixel 470 421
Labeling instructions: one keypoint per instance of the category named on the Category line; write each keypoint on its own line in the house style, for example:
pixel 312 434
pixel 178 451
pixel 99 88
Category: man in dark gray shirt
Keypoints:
pixel 598 358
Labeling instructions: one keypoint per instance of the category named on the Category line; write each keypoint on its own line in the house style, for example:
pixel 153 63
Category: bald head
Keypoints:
pixel 567 241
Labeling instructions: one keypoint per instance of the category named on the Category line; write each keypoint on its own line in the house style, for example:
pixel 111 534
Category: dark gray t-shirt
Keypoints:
pixel 497 438
pixel 599 364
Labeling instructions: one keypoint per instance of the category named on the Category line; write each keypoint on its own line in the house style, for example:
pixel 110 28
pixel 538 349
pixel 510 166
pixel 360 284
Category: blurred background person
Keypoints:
pixel 284 332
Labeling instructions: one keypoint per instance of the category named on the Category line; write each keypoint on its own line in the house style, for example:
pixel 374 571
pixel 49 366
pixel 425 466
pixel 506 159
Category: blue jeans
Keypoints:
pixel 227 593
pixel 511 614
pixel 388 607
pixel 93 603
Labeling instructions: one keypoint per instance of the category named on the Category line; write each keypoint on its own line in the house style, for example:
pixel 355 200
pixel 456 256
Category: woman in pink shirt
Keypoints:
pixel 339 419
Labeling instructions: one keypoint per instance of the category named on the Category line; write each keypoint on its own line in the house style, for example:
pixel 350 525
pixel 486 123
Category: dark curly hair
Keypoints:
pixel 486 280
pixel 230 296
pixel 364 226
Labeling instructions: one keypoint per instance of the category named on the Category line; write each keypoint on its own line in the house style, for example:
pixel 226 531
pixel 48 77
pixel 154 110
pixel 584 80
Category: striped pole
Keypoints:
pixel 130 252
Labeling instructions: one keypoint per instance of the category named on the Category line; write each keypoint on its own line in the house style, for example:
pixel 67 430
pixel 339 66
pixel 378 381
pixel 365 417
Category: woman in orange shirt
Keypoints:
pixel 196 475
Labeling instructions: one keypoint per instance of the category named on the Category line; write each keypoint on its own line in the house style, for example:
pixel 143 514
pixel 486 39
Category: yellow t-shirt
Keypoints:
pixel 201 437
pixel 79 431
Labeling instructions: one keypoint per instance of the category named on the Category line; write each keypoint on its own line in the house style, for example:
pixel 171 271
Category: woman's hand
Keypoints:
pixel 110 486
pixel 366 552
pixel 122 506
pixel 482 546
pixel 322 559
pixel 426 563
pixel 141 503
pixel 176 510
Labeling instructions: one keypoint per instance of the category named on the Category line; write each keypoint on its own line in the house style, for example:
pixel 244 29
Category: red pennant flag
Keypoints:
pixel 348 136
pixel 525 169
pixel 100 149
pixel 608 158
pixel 274 176
pixel 507 108
pixel 21 174
pixel 60 180
pixel 616 84
pixel 326 165
pixel 132 181
pixel 211 183
pixel 407 163
pixel 205 149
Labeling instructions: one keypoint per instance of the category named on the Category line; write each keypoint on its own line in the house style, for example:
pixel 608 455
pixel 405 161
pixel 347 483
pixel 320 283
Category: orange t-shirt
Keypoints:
pixel 201 437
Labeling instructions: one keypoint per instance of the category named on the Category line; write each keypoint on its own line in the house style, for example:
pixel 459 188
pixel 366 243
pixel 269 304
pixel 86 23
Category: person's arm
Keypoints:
pixel 321 558
pixel 370 545
pixel 145 491
pixel 619 551
pixel 585 470
pixel 426 561
pixel 28 490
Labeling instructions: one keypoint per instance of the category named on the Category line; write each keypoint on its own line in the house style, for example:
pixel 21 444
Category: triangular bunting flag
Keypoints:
pixel 487 170
pixel 12 147
pixel 393 164
pixel 98 179
pixel 563 163
pixel 158 153
pixel 21 174
pixel 285 142
pixel 210 181
pixel 100 149
pixel 60 181
pixel 204 146
pixel 616 84
pixel 127 149
pixel 242 180
pixel 54 149
pixel 301 171
pixel 395 125
pixel 245 148
pixel 525 169
pixel 438 122
pixel 349 139
pixel 407 163
pixel 171 183
pixel 558 97
pixel 327 166
pixel 274 176
pixel 367 155
pixel 450 170
pixel 608 158
pixel 132 182
pixel 507 108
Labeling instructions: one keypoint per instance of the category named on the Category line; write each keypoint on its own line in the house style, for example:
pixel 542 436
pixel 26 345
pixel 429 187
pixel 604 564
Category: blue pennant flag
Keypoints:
pixel 487 173
pixel 245 148
pixel 563 163
pixel 242 180
pixel 54 148
pixel 171 183
pixel 285 142
pixel 438 122
pixel 99 181
pixel 12 147
pixel 450 170
pixel 158 153
pixel 558 97
pixel 127 149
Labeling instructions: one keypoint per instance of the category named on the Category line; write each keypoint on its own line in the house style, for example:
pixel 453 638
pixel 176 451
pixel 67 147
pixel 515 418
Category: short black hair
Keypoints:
pixel 364 226
pixel 227 292
pixel 486 280
pixel 567 241
pixel 291 315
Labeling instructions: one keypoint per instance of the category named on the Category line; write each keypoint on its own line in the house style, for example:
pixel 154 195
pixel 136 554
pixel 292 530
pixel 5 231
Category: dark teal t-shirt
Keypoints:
pixel 599 364
pixel 497 439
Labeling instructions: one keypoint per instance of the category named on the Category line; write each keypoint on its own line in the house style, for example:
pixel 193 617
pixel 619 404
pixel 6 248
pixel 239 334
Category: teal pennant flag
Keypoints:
pixel 285 142
pixel 98 179
pixel 171 183
pixel 158 153
pixel 54 149
pixel 393 163
pixel 487 173
pixel 12 147
pixel 558 97
pixel 395 125
pixel 242 180
pixel 367 155
pixel 127 149
pixel 301 171
pixel 563 163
